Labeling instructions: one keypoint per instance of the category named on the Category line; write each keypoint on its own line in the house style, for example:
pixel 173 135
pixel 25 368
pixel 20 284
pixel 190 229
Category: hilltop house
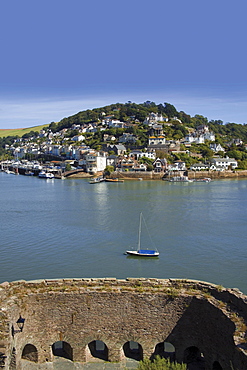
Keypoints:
pixel 216 147
pixel 118 149
pixel 199 136
pixel 154 118
pixel 127 138
pixel 156 140
pixel 137 154
pixel 78 138
pixel 156 130
pixel 114 123
pixel 236 142
pixel 107 137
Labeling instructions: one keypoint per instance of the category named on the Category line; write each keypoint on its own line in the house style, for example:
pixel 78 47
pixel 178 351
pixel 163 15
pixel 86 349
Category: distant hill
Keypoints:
pixel 20 131
pixel 131 112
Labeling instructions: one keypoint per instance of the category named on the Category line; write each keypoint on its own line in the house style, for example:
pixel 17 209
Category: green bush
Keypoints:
pixel 160 364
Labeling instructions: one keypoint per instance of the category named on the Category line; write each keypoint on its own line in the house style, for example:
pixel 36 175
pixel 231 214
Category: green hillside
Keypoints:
pixel 20 131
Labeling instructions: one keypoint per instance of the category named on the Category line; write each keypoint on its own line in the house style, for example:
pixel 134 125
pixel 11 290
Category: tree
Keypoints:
pixel 160 364
pixel 242 165
pixel 108 170
pixel 170 110
pixel 146 160
pixel 68 167
pixel 150 167
pixel 178 135
pixel 237 154
pixel 207 153
pixel 200 120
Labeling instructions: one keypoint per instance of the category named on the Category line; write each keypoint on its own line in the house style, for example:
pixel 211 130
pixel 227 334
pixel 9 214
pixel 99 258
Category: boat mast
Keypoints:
pixel 139 236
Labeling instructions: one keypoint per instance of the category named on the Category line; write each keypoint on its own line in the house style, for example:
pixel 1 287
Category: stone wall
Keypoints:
pixel 215 175
pixel 76 313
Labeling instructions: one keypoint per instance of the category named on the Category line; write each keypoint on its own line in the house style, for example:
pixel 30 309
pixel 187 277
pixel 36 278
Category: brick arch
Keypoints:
pixel 165 349
pixel 30 353
pixel 62 349
pixel 98 349
pixel 133 350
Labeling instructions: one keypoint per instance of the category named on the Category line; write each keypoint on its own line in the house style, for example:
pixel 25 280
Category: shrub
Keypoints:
pixel 160 364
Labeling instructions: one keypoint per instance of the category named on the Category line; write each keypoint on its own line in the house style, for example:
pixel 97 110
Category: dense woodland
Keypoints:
pixel 135 114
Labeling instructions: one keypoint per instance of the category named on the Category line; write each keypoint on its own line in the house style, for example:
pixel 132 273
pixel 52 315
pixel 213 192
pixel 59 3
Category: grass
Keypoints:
pixel 20 131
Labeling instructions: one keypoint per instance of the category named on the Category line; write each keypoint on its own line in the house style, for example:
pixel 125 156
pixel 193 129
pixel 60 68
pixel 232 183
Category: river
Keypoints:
pixel 69 228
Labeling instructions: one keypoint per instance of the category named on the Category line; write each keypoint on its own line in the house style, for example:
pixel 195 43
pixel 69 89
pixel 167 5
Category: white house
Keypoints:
pixel 154 118
pixel 194 138
pixel 78 138
pixel 107 137
pixel 209 136
pixel 223 163
pixel 177 166
pixel 159 140
pixel 139 154
pixel 54 149
pixel 113 123
pixel 112 160
pixel 216 147
pixel 95 162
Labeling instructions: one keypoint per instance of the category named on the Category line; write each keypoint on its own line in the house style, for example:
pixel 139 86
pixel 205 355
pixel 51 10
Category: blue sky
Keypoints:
pixel 59 57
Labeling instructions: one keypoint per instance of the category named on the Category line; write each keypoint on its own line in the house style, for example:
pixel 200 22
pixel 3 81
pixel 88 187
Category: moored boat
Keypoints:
pixel 205 179
pixel 143 253
pixel 29 173
pixel 180 179
pixel 114 180
pixel 139 252
pixel 46 175
pixel 96 180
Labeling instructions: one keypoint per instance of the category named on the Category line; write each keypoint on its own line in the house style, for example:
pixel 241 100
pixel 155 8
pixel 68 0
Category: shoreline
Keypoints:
pixel 214 175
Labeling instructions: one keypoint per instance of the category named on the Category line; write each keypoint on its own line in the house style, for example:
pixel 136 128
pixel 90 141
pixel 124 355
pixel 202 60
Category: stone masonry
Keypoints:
pixel 71 317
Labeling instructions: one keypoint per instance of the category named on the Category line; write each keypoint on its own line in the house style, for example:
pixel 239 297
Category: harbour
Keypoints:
pixel 70 229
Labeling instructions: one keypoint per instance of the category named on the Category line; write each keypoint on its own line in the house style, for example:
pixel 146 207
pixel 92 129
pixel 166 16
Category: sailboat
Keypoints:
pixel 142 252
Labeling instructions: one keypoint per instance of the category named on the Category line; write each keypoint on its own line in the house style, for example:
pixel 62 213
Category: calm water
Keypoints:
pixel 69 228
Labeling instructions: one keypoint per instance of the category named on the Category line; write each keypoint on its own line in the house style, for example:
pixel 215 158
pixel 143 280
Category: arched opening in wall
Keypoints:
pixel 133 350
pixel 62 349
pixel 193 358
pixel 216 366
pixel 30 353
pixel 164 349
pixel 98 349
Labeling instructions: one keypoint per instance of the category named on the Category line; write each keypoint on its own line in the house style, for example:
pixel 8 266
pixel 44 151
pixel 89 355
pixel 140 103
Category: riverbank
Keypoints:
pixel 191 175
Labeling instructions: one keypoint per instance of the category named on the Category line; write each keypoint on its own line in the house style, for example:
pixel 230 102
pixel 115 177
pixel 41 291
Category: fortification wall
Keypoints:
pixel 74 314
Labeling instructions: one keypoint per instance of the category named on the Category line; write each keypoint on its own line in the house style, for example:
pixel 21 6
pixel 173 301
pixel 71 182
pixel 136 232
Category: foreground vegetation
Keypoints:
pixel 160 364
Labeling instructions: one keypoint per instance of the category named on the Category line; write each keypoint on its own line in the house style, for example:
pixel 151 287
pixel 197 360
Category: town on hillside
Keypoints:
pixel 131 138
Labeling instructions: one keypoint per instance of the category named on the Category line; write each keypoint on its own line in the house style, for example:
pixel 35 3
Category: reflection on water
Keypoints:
pixel 70 228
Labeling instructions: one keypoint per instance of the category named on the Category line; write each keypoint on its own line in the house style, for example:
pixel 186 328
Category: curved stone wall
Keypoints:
pixel 112 320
